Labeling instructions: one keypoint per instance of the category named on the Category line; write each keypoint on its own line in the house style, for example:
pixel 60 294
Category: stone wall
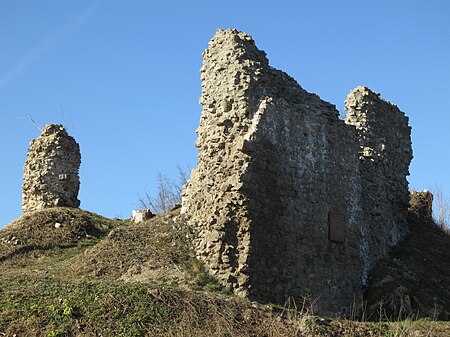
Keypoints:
pixel 51 171
pixel 421 204
pixel 385 154
pixel 287 199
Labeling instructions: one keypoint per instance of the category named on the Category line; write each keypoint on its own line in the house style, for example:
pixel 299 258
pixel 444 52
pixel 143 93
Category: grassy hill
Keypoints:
pixel 67 272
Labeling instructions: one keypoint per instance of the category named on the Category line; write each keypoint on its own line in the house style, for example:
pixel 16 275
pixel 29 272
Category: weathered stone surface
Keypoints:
pixel 51 171
pixel 141 215
pixel 277 167
pixel 385 154
pixel 421 203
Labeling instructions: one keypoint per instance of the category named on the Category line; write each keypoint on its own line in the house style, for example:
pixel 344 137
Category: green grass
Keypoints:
pixel 52 307
pixel 76 286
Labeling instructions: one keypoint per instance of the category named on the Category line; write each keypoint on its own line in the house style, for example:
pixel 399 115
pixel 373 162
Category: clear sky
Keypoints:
pixel 123 77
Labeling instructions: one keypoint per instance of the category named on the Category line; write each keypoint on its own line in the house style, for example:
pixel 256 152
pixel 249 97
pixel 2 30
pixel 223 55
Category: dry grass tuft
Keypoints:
pixel 97 277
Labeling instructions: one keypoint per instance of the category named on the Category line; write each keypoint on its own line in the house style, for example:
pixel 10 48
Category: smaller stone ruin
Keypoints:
pixel 51 176
pixel 141 215
pixel 421 204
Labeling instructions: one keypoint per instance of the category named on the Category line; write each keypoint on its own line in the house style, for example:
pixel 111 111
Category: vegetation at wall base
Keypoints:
pixel 91 276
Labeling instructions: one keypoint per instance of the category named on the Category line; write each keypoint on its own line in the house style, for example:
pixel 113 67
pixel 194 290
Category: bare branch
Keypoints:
pixel 168 193
pixel 30 118
pixel 442 208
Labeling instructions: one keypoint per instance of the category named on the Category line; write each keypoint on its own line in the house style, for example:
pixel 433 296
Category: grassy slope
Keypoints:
pixel 97 277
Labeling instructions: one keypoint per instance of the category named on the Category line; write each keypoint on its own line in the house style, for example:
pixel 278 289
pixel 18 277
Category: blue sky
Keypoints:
pixel 123 76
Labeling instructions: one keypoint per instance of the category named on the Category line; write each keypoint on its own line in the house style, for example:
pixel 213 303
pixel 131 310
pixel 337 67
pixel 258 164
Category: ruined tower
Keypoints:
pixel 385 154
pixel 50 176
pixel 285 200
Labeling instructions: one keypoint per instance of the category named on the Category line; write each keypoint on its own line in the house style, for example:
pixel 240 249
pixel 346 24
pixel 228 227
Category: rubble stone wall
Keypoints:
pixel 385 154
pixel 51 176
pixel 280 198
pixel 421 204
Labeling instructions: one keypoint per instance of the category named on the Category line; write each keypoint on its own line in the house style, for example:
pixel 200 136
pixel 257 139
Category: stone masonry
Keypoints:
pixel 50 176
pixel 287 200
pixel 421 204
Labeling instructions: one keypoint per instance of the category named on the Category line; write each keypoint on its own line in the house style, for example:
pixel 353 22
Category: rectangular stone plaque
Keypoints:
pixel 63 177
pixel 336 227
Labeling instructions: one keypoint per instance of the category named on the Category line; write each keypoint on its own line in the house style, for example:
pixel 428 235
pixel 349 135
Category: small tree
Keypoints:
pixel 442 208
pixel 168 193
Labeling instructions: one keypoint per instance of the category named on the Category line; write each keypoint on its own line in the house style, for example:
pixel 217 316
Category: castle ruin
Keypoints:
pixel 50 176
pixel 288 200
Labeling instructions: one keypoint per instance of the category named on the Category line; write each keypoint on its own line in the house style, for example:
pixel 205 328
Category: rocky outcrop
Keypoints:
pixel 287 200
pixel 51 176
